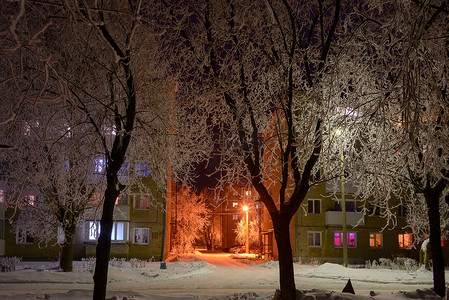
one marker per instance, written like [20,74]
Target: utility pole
[343,211]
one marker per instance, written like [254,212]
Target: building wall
[29,251]
[152,218]
[304,223]
[233,199]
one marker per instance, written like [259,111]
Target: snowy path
[221,259]
[205,276]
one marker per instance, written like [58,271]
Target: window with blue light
[99,165]
[143,168]
[119,231]
[123,170]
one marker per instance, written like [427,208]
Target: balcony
[333,218]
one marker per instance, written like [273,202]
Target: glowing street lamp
[245,208]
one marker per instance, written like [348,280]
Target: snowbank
[190,277]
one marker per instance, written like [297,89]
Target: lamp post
[343,208]
[245,208]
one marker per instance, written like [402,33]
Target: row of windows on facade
[141,201]
[142,168]
[141,235]
[120,233]
[405,240]
[314,207]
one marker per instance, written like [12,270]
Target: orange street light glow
[245,208]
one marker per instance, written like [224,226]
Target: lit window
[99,165]
[94,230]
[235,217]
[118,234]
[235,204]
[121,200]
[405,240]
[143,168]
[2,197]
[67,165]
[141,235]
[375,240]
[314,239]
[142,201]
[351,239]
[123,172]
[29,127]
[314,206]
[61,235]
[109,130]
[24,236]
[30,200]
[258,206]
[97,198]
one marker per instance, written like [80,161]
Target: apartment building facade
[316,230]
[138,230]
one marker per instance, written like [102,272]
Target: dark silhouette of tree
[260,65]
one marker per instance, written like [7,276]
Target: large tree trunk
[104,242]
[286,272]
[433,210]
[66,263]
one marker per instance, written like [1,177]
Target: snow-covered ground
[212,276]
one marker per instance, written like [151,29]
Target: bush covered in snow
[117,262]
[137,263]
[399,263]
[309,261]
[8,264]
[88,264]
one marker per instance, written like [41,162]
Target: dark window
[350,206]
[314,206]
[314,239]
[316,176]
[402,210]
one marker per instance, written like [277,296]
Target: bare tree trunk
[286,272]
[104,241]
[433,210]
[66,263]
[208,237]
